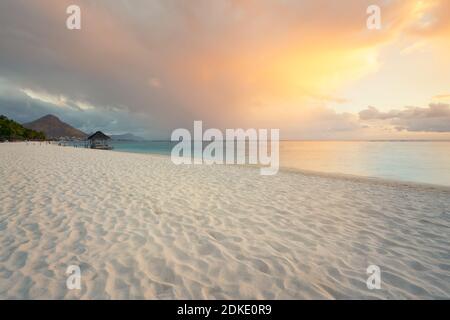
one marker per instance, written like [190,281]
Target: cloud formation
[20,106]
[434,118]
[230,63]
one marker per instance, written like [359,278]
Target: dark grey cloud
[104,64]
[434,118]
[169,62]
[156,65]
[22,108]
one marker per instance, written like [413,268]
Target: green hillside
[11,130]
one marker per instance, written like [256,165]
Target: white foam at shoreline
[141,227]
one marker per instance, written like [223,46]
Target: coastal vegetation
[11,130]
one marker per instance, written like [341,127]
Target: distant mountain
[11,130]
[126,137]
[54,128]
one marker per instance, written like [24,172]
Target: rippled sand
[140,227]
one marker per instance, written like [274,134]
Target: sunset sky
[310,68]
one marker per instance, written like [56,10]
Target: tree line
[13,131]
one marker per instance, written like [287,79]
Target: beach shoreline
[336,175]
[140,227]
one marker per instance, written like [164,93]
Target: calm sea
[426,161]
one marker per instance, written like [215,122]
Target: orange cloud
[230,63]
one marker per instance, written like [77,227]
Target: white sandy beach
[141,227]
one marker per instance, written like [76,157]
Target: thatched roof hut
[99,140]
[98,136]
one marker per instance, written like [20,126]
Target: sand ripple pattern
[141,227]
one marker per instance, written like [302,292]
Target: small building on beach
[99,140]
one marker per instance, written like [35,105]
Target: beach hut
[99,140]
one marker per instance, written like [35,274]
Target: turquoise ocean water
[425,161]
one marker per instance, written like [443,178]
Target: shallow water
[424,162]
[140,227]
